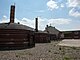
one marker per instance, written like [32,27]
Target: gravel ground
[43,51]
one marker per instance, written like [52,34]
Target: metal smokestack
[36,24]
[12,13]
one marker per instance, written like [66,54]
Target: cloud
[73,3]
[59,21]
[54,22]
[52,5]
[5,16]
[77,27]
[75,7]
[42,22]
[25,21]
[74,12]
[62,5]
[4,19]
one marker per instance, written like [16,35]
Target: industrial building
[14,34]
[53,32]
[75,34]
[40,36]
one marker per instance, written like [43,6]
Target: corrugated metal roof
[14,26]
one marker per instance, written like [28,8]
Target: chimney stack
[36,24]
[12,13]
[46,26]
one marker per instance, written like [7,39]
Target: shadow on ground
[15,48]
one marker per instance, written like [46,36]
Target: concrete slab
[70,42]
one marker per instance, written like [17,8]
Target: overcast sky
[62,14]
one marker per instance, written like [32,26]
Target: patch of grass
[66,58]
